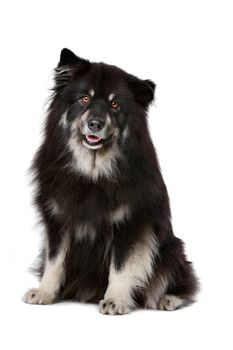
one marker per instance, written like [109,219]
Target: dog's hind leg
[174,283]
[170,302]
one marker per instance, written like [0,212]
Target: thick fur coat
[102,198]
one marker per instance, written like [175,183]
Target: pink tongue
[92,138]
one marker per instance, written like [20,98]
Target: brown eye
[86,99]
[115,104]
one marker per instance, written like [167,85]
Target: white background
[186,48]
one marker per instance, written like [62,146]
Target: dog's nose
[95,125]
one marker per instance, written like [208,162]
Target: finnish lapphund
[108,236]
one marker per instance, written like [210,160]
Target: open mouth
[93,140]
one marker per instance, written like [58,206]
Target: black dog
[102,199]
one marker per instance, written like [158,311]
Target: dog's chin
[94,142]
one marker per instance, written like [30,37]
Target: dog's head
[100,100]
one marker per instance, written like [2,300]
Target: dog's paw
[113,307]
[37,296]
[170,302]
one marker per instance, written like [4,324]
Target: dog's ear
[68,58]
[144,91]
[68,64]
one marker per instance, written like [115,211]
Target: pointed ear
[144,91]
[66,67]
[68,58]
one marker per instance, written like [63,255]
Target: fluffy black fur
[135,179]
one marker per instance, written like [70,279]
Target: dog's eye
[115,104]
[86,100]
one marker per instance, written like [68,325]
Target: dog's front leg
[54,273]
[131,266]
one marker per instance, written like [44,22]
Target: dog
[102,199]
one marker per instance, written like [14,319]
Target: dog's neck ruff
[94,163]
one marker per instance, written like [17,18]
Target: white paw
[113,307]
[170,302]
[37,296]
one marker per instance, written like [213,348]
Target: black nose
[95,125]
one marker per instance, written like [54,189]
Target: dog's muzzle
[95,132]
